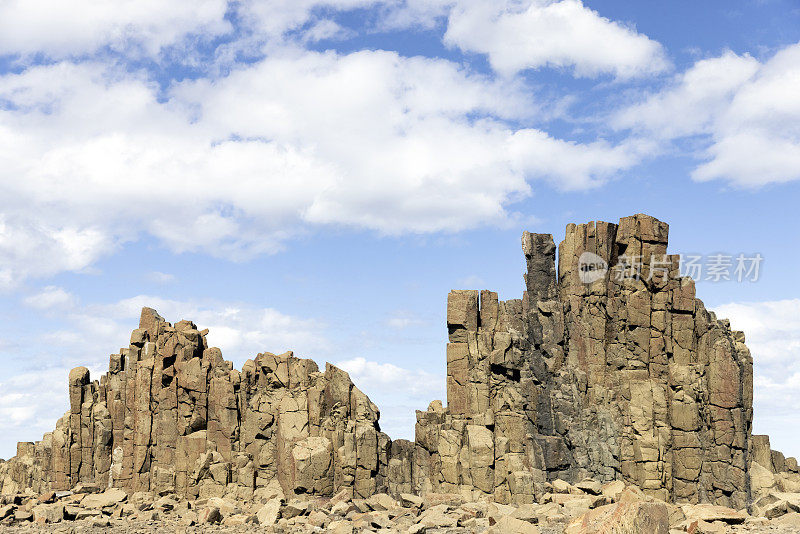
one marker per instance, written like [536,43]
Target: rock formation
[618,373]
[172,415]
[625,377]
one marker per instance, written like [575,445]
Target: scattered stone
[106,499]
[86,487]
[613,490]
[560,486]
[48,513]
[411,501]
[209,515]
[295,508]
[7,511]
[624,517]
[432,500]
[438,517]
[711,513]
[381,501]
[269,513]
[512,525]
[591,486]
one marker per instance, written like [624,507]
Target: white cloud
[91,157]
[518,35]
[30,405]
[50,297]
[60,29]
[747,111]
[397,391]
[240,330]
[471,282]
[695,98]
[772,330]
[274,18]
[403,319]
[414,382]
[158,277]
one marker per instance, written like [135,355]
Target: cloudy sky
[315,175]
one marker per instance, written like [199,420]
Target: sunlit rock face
[611,372]
[608,367]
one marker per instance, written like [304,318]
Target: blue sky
[317,175]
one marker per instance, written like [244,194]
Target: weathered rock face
[609,374]
[615,377]
[172,415]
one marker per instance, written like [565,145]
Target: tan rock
[437,517]
[110,497]
[622,518]
[382,501]
[294,508]
[7,511]
[711,513]
[512,525]
[790,520]
[269,513]
[48,513]
[613,490]
[591,486]
[411,501]
[560,486]
[209,515]
[435,499]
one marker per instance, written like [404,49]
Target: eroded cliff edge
[626,377]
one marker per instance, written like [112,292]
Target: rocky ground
[585,508]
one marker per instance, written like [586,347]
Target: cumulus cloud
[158,277]
[519,35]
[403,319]
[693,100]
[471,281]
[30,405]
[747,111]
[397,391]
[772,330]
[61,29]
[240,330]
[50,297]
[93,156]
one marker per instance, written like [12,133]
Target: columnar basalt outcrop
[607,368]
[172,415]
[612,374]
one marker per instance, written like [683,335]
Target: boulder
[410,500]
[623,518]
[209,515]
[269,513]
[512,525]
[711,513]
[48,513]
[108,498]
[590,486]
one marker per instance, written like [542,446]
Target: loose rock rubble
[616,399]
[564,509]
